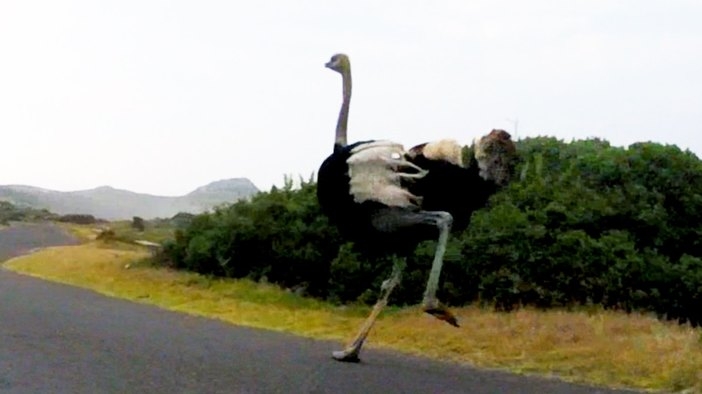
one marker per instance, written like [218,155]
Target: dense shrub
[78,218]
[138,224]
[182,219]
[593,224]
[107,235]
[10,212]
[583,223]
[279,236]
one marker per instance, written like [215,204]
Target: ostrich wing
[376,170]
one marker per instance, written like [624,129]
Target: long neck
[340,141]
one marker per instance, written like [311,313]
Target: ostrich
[387,199]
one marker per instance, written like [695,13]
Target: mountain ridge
[107,202]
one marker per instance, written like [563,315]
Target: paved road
[60,339]
[21,238]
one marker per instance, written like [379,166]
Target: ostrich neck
[341,125]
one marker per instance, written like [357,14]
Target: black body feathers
[451,188]
[445,187]
[334,195]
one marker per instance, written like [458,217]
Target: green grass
[123,231]
[155,233]
[591,346]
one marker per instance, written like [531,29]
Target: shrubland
[10,212]
[583,223]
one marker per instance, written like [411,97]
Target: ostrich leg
[394,221]
[431,304]
[350,354]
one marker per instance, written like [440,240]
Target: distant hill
[109,203]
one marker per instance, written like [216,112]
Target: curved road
[60,339]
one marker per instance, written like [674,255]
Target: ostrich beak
[328,64]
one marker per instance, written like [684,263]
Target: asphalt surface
[60,339]
[22,238]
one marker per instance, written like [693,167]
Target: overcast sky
[164,96]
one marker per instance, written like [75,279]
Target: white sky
[164,96]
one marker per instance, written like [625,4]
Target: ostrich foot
[441,312]
[348,356]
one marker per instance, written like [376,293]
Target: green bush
[78,218]
[279,236]
[138,224]
[584,223]
[12,213]
[591,224]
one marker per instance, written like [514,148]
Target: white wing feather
[376,170]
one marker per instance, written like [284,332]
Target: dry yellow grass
[84,232]
[600,347]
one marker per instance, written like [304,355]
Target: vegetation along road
[60,339]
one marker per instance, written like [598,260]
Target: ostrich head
[339,63]
[496,156]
